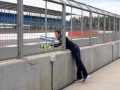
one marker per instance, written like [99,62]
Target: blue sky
[108,5]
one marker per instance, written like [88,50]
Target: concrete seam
[51,75]
[112,52]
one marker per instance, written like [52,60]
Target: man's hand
[51,45]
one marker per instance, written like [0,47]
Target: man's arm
[58,44]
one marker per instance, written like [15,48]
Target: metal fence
[8,31]
[27,27]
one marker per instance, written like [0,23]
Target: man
[82,74]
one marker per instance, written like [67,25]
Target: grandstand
[9,20]
[34,17]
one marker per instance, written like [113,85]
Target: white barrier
[38,73]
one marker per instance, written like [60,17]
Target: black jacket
[69,44]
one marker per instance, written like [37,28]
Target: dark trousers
[81,70]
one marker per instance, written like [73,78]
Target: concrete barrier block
[102,55]
[63,70]
[35,72]
[119,49]
[27,74]
[45,73]
[115,50]
[87,58]
[19,76]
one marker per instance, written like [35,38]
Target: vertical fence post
[46,23]
[64,26]
[104,28]
[119,28]
[109,28]
[90,29]
[114,29]
[98,27]
[20,27]
[82,25]
[71,24]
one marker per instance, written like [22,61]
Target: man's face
[57,35]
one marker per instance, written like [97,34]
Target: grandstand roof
[33,9]
[84,7]
[13,6]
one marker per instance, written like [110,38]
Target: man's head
[57,33]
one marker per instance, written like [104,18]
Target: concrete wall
[32,74]
[37,72]
[16,75]
[116,50]
[63,70]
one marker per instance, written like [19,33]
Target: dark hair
[58,31]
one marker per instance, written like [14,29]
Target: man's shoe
[86,78]
[79,80]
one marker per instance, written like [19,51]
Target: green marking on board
[44,47]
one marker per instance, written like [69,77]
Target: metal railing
[24,22]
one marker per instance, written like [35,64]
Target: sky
[108,5]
